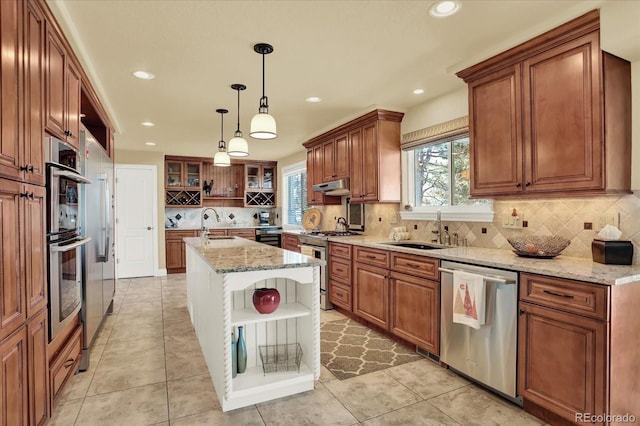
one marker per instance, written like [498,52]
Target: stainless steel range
[316,244]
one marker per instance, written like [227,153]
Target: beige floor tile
[191,395]
[472,405]
[66,413]
[144,405]
[330,315]
[119,375]
[135,330]
[138,307]
[326,375]
[180,327]
[134,351]
[371,395]
[248,416]
[426,378]
[318,407]
[419,414]
[185,362]
[176,314]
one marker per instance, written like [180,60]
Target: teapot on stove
[341,225]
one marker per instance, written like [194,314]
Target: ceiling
[354,54]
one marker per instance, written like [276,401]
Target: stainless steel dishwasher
[486,355]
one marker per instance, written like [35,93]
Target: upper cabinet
[182,182]
[63,87]
[551,117]
[260,184]
[366,150]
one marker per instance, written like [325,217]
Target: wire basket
[279,358]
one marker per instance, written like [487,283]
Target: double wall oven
[64,240]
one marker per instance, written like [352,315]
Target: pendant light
[263,125]
[238,146]
[221,159]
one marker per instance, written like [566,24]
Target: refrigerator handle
[106,216]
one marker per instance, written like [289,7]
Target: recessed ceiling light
[144,75]
[418,91]
[147,124]
[445,8]
[150,143]
[313,99]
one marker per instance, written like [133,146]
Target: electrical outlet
[393,219]
[604,219]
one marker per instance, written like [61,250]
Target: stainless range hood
[336,187]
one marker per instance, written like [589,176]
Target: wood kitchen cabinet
[176,261]
[575,354]
[38,368]
[315,165]
[183,176]
[371,285]
[373,142]
[63,88]
[290,242]
[14,397]
[339,270]
[537,116]
[227,185]
[260,184]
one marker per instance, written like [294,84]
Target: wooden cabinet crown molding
[378,114]
[573,29]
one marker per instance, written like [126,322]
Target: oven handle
[62,248]
[76,177]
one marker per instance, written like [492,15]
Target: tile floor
[147,369]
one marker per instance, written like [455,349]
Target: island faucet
[438,231]
[204,216]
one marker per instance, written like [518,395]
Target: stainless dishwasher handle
[493,278]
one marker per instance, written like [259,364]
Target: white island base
[220,301]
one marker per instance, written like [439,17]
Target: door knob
[148,228]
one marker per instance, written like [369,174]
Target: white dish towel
[468,299]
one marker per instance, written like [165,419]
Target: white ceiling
[354,54]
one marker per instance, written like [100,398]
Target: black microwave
[355,215]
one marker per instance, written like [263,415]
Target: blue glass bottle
[242,351]
[234,355]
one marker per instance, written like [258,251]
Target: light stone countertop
[234,254]
[239,226]
[574,268]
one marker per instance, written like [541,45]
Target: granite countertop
[574,268]
[239,226]
[234,254]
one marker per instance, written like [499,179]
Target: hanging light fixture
[263,125]
[238,146]
[221,158]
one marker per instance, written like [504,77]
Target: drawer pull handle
[339,294]
[68,363]
[553,293]
[339,270]
[369,256]
[413,265]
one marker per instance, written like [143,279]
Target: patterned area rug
[349,349]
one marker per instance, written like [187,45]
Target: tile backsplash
[182,218]
[565,217]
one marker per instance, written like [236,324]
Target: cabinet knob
[527,184]
[521,312]
[148,228]
[518,184]
[30,168]
[24,168]
[24,194]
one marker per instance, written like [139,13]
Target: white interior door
[136,219]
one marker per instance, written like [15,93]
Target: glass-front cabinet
[260,180]
[182,182]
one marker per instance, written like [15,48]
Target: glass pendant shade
[238,146]
[263,125]
[221,159]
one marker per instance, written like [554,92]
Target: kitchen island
[222,274]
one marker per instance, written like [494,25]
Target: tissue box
[612,252]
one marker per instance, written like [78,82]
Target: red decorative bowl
[266,300]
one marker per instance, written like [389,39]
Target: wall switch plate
[512,222]
[393,219]
[604,219]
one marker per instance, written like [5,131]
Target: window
[436,177]
[295,193]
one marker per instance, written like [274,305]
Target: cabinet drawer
[340,295]
[571,296]
[217,232]
[340,250]
[66,363]
[424,267]
[178,235]
[372,256]
[244,233]
[340,270]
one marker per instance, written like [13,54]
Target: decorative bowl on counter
[541,246]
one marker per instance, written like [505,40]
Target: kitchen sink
[420,246]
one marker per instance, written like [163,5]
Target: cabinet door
[174,254]
[495,133]
[268,178]
[341,157]
[290,242]
[12,299]
[72,109]
[252,177]
[561,364]
[371,294]
[357,165]
[173,173]
[9,88]
[33,147]
[14,401]
[328,157]
[370,157]
[38,368]
[55,82]
[192,176]
[415,311]
[33,235]
[311,172]
[563,140]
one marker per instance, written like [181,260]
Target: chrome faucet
[204,216]
[438,231]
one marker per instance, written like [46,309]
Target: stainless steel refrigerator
[98,255]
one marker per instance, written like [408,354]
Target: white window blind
[295,194]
